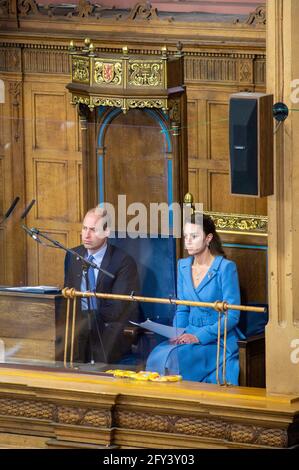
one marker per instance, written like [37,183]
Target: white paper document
[37,289]
[163,330]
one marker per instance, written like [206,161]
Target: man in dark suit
[101,322]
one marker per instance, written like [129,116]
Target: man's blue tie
[91,283]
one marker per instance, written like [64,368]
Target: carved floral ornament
[85,9]
[257,17]
[240,223]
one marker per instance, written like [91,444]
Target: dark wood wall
[40,144]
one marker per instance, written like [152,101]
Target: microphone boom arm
[84,261]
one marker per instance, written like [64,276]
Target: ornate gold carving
[77,99]
[205,427]
[132,420]
[273,438]
[27,409]
[80,69]
[25,7]
[97,418]
[102,101]
[167,423]
[143,11]
[59,414]
[147,103]
[107,72]
[240,223]
[145,73]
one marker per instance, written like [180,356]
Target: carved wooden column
[16,248]
[87,127]
[283,328]
[12,159]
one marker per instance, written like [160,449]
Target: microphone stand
[74,253]
[86,264]
[90,314]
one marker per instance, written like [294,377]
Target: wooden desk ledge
[193,391]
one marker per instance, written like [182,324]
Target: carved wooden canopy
[124,80]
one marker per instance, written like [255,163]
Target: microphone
[27,209]
[31,234]
[9,211]
[11,208]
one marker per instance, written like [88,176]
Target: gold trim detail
[80,100]
[99,101]
[240,223]
[80,69]
[142,73]
[147,103]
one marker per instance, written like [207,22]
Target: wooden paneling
[135,161]
[2,209]
[252,269]
[192,122]
[210,133]
[2,150]
[1,186]
[12,180]
[218,146]
[198,185]
[2,257]
[79,172]
[50,119]
[28,326]
[222,201]
[53,175]
[49,261]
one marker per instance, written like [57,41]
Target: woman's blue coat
[197,361]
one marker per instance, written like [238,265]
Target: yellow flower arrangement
[144,375]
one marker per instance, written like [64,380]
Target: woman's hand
[185,338]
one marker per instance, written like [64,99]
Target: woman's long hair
[208,226]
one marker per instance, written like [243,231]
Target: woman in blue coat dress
[205,276]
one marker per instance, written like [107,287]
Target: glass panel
[47,240]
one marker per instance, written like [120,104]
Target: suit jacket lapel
[77,266]
[105,264]
[187,274]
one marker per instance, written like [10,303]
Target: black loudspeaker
[251,144]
